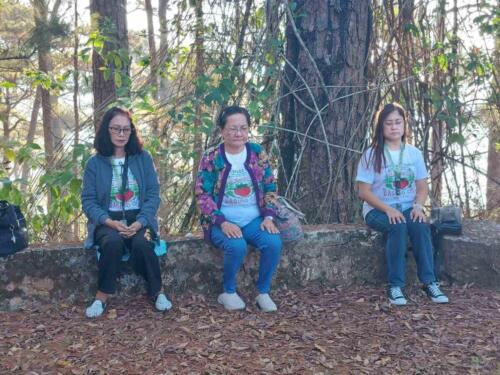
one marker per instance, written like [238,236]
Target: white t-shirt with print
[239,204]
[131,195]
[383,183]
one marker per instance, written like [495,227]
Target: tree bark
[153,64]
[163,51]
[105,90]
[76,89]
[438,126]
[32,129]
[323,97]
[493,184]
[199,48]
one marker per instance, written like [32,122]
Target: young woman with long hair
[392,182]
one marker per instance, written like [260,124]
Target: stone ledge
[330,254]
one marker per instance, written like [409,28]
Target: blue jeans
[235,250]
[397,244]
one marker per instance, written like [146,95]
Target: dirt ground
[316,331]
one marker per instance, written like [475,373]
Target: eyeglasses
[117,130]
[243,129]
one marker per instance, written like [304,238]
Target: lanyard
[124,184]
[397,168]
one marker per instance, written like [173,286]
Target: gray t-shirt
[383,185]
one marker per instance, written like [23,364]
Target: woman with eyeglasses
[392,182]
[235,191]
[120,197]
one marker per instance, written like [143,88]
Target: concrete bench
[333,254]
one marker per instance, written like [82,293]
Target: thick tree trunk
[104,90]
[324,98]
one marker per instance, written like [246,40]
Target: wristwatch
[269,217]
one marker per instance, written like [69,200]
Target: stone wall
[329,254]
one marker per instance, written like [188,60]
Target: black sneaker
[396,296]
[434,293]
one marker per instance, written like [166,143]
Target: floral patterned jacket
[213,172]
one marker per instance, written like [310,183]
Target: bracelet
[418,206]
[269,217]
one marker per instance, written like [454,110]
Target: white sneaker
[396,296]
[265,303]
[96,309]
[162,303]
[231,301]
[434,293]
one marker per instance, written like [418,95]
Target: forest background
[312,74]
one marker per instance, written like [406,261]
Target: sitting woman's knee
[143,246]
[113,243]
[238,247]
[398,228]
[274,244]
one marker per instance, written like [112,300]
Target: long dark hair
[102,141]
[377,155]
[232,110]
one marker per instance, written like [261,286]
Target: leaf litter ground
[316,331]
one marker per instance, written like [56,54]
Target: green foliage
[61,184]
[116,60]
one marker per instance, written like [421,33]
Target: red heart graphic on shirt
[242,190]
[126,196]
[404,183]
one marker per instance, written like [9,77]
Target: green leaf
[7,85]
[456,138]
[75,186]
[10,154]
[412,29]
[118,79]
[64,178]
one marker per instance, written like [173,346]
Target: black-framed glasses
[117,130]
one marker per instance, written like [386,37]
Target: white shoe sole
[230,308]
[395,302]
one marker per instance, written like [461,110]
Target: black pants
[142,258]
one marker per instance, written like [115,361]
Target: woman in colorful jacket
[120,198]
[235,191]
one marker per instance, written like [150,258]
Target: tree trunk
[76,89]
[163,51]
[493,184]
[153,64]
[438,126]
[45,65]
[323,83]
[32,129]
[152,48]
[105,90]
[199,48]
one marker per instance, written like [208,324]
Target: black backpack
[13,232]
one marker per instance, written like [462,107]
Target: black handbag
[13,232]
[444,221]
[447,220]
